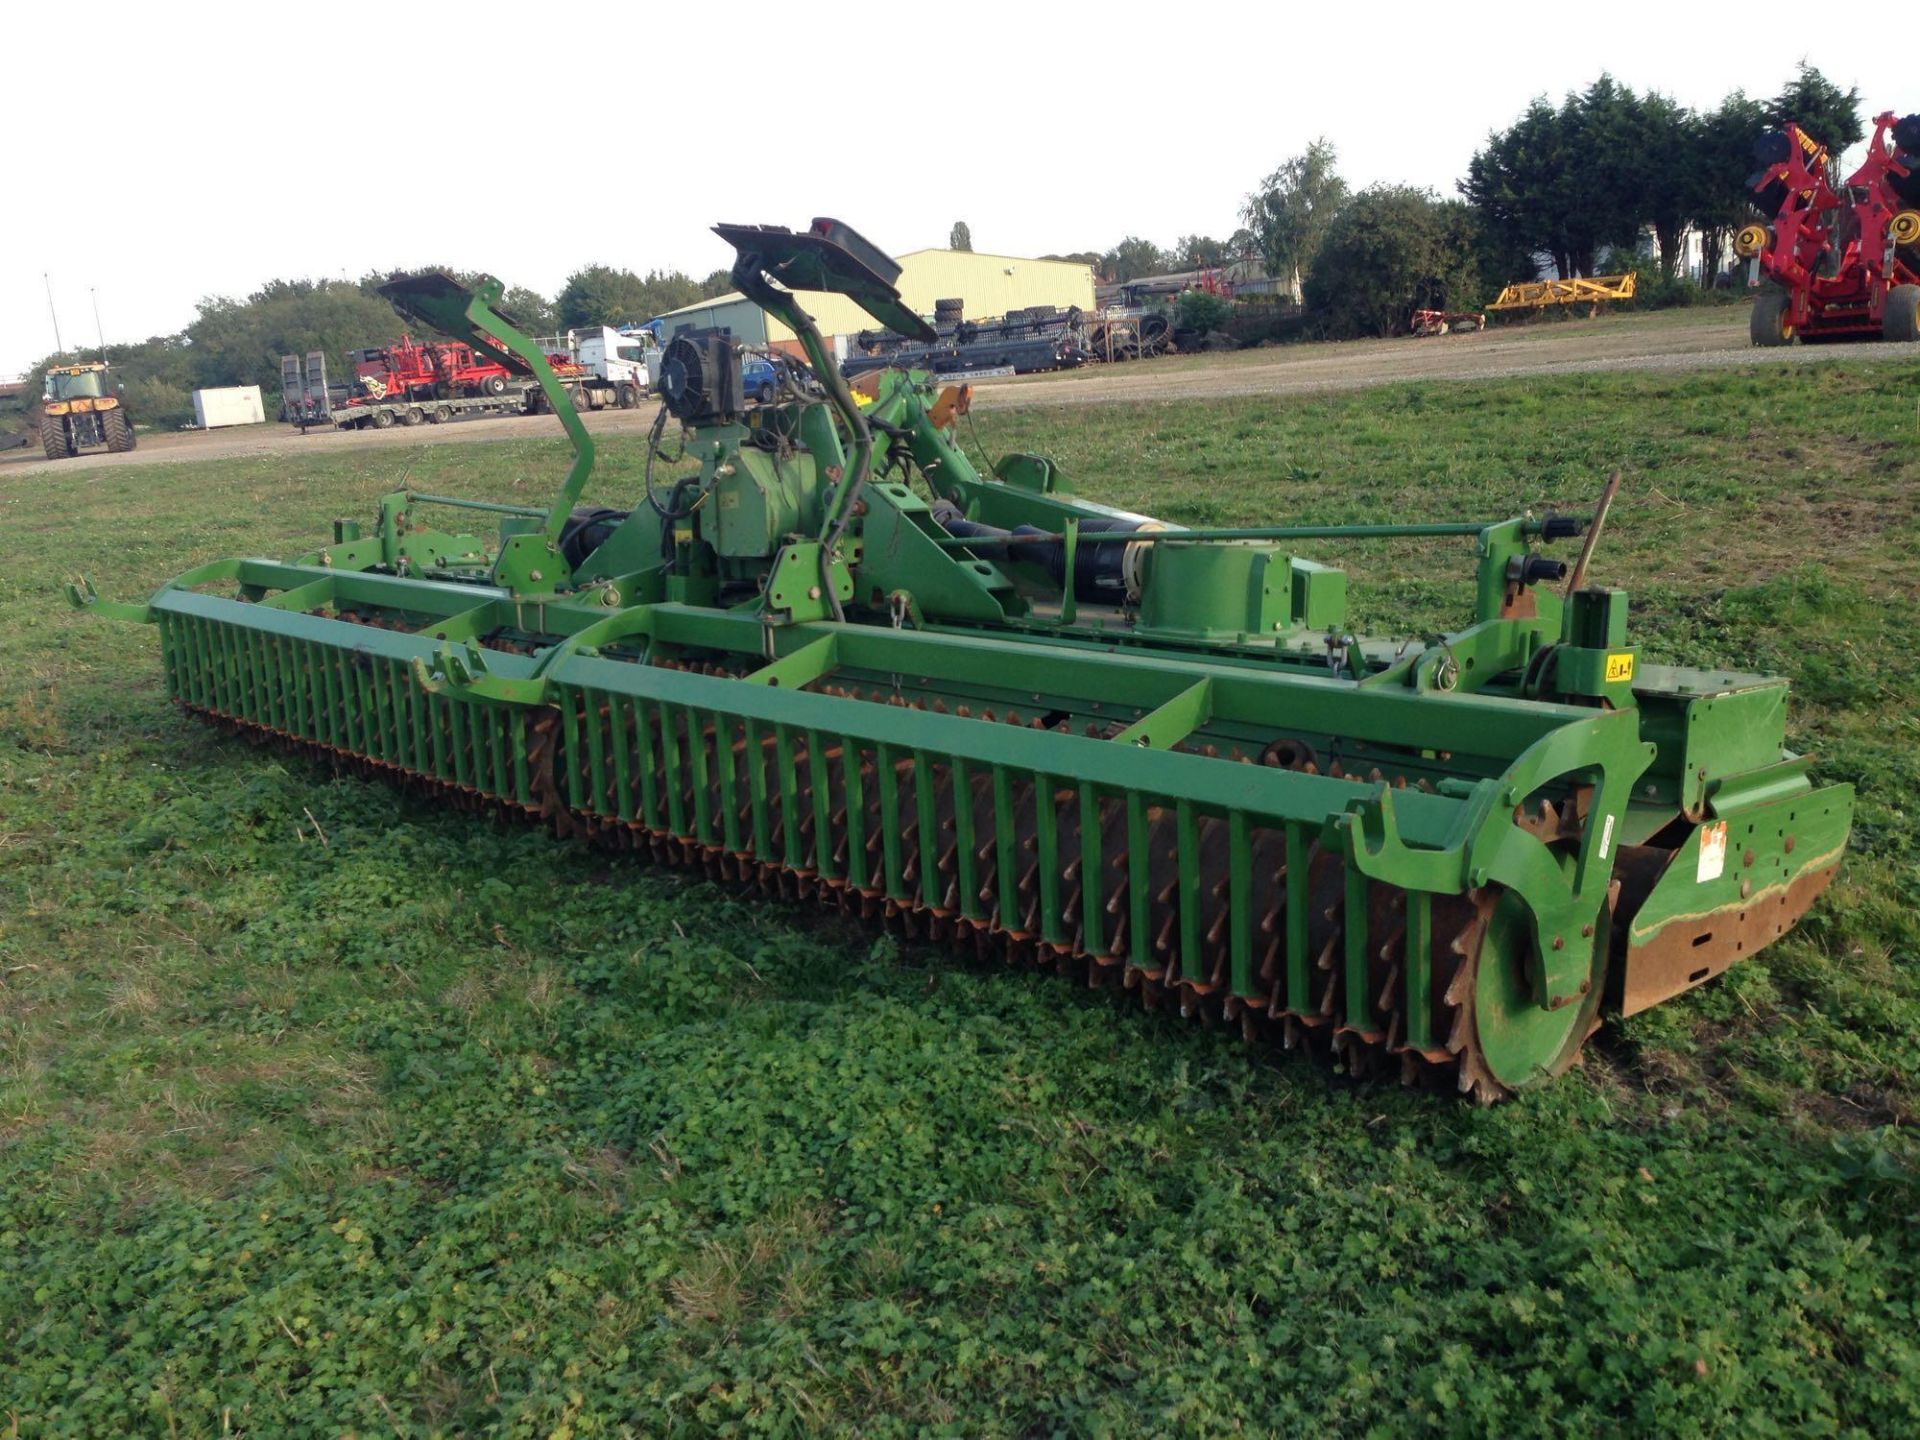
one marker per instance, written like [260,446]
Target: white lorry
[616,369]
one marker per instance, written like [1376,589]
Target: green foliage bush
[152,400]
[1201,312]
[603,295]
[1392,250]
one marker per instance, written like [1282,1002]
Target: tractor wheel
[1900,320]
[54,438]
[413,416]
[118,430]
[496,385]
[1772,320]
[382,419]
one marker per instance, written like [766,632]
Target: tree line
[1574,185]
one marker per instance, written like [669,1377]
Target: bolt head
[533,575]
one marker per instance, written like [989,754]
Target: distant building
[985,284]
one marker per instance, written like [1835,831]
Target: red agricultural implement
[1844,262]
[410,371]
[1445,322]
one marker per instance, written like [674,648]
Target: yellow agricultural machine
[1593,291]
[78,411]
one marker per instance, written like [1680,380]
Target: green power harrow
[841,663]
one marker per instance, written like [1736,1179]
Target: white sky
[1046,128]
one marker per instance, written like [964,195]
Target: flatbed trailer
[518,399]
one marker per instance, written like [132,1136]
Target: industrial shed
[987,284]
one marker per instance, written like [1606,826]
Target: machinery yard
[763,1168]
[1669,341]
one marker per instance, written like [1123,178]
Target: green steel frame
[1443,850]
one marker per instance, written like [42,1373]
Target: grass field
[322,1111]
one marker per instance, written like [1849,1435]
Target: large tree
[1672,187]
[1514,182]
[1391,250]
[1290,212]
[1132,258]
[240,342]
[1563,182]
[1723,164]
[1819,107]
[1611,164]
[602,295]
[1200,252]
[960,237]
[529,310]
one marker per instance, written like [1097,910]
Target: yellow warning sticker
[1619,667]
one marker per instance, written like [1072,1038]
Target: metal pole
[1263,532]
[59,345]
[99,333]
[1579,576]
[414,497]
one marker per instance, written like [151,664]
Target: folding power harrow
[838,662]
[1842,260]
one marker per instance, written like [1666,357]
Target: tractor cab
[77,382]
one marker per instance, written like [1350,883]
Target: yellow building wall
[990,285]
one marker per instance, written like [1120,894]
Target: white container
[234,405]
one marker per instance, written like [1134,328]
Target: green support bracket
[1563,894]
[82,596]
[1167,726]
[800,669]
[796,589]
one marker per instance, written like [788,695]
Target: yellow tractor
[78,410]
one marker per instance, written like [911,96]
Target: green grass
[323,1111]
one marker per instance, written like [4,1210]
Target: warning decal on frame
[1713,853]
[1619,667]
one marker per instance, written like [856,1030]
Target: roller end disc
[1511,1042]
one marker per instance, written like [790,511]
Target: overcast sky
[207,148]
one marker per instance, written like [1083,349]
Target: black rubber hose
[1097,569]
